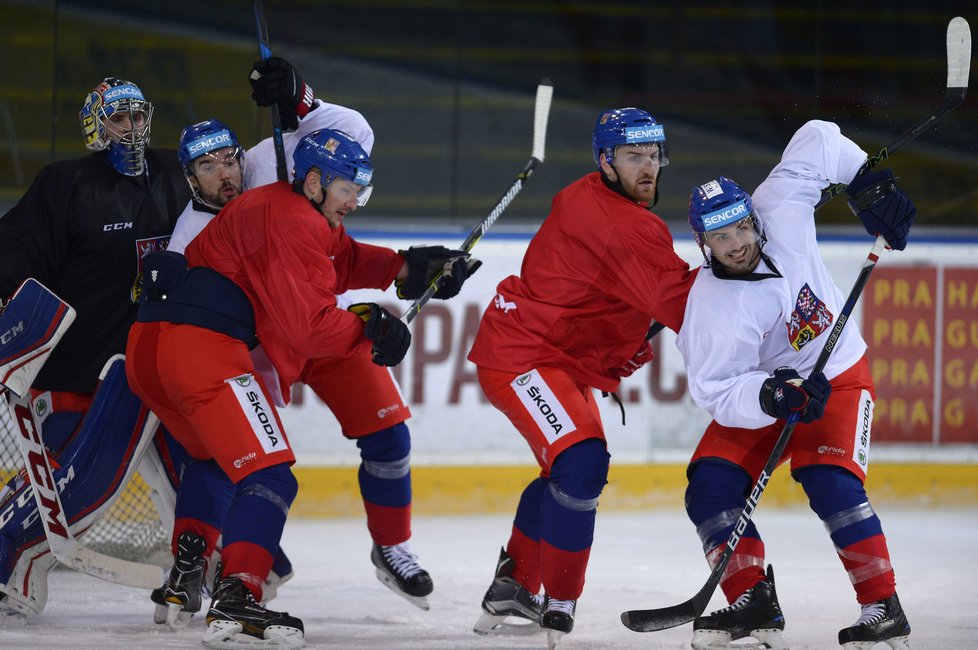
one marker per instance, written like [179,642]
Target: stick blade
[541,114]
[653,620]
[958,53]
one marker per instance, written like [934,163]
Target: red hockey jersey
[598,271]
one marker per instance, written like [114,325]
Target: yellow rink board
[333,491]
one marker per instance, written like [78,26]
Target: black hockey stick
[651,620]
[266,53]
[958,64]
[541,113]
[958,69]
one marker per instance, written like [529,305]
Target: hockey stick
[541,113]
[266,53]
[65,548]
[958,70]
[651,620]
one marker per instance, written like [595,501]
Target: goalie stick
[958,63]
[266,53]
[541,114]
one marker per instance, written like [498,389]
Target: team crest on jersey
[143,248]
[809,319]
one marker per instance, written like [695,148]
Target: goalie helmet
[718,204]
[204,138]
[627,126]
[116,117]
[336,155]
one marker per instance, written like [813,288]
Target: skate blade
[896,643]
[228,634]
[719,640]
[159,614]
[176,617]
[553,638]
[421,602]
[500,624]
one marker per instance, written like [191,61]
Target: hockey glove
[786,392]
[276,81]
[639,359]
[391,337]
[882,207]
[425,262]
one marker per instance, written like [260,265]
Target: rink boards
[919,315]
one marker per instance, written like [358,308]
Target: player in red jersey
[599,270]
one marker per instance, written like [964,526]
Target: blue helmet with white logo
[627,126]
[718,204]
[116,117]
[336,155]
[204,138]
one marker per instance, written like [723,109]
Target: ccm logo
[122,225]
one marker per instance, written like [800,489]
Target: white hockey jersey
[736,332]
[259,167]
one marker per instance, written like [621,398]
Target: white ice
[639,560]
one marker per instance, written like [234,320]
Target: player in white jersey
[751,333]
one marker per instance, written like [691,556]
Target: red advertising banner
[959,356]
[922,331]
[899,311]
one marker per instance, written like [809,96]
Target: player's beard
[227,192]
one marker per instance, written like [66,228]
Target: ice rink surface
[639,560]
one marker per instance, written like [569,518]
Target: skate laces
[401,559]
[872,614]
[742,602]
[565,606]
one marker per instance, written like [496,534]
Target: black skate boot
[508,598]
[557,619]
[235,619]
[179,597]
[755,614]
[398,569]
[880,622]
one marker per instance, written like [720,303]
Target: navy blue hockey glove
[276,81]
[425,262]
[786,392]
[882,207]
[391,337]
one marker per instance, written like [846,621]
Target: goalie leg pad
[114,433]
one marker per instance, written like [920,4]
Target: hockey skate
[880,622]
[236,620]
[179,597]
[507,599]
[557,619]
[398,570]
[755,614]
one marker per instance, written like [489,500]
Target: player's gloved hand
[641,357]
[391,337]
[276,81]
[786,392]
[425,262]
[882,207]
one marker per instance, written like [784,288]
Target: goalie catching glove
[786,393]
[391,337]
[882,207]
[276,81]
[425,262]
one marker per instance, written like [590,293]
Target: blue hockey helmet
[204,138]
[336,155]
[627,126]
[718,204]
[104,126]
